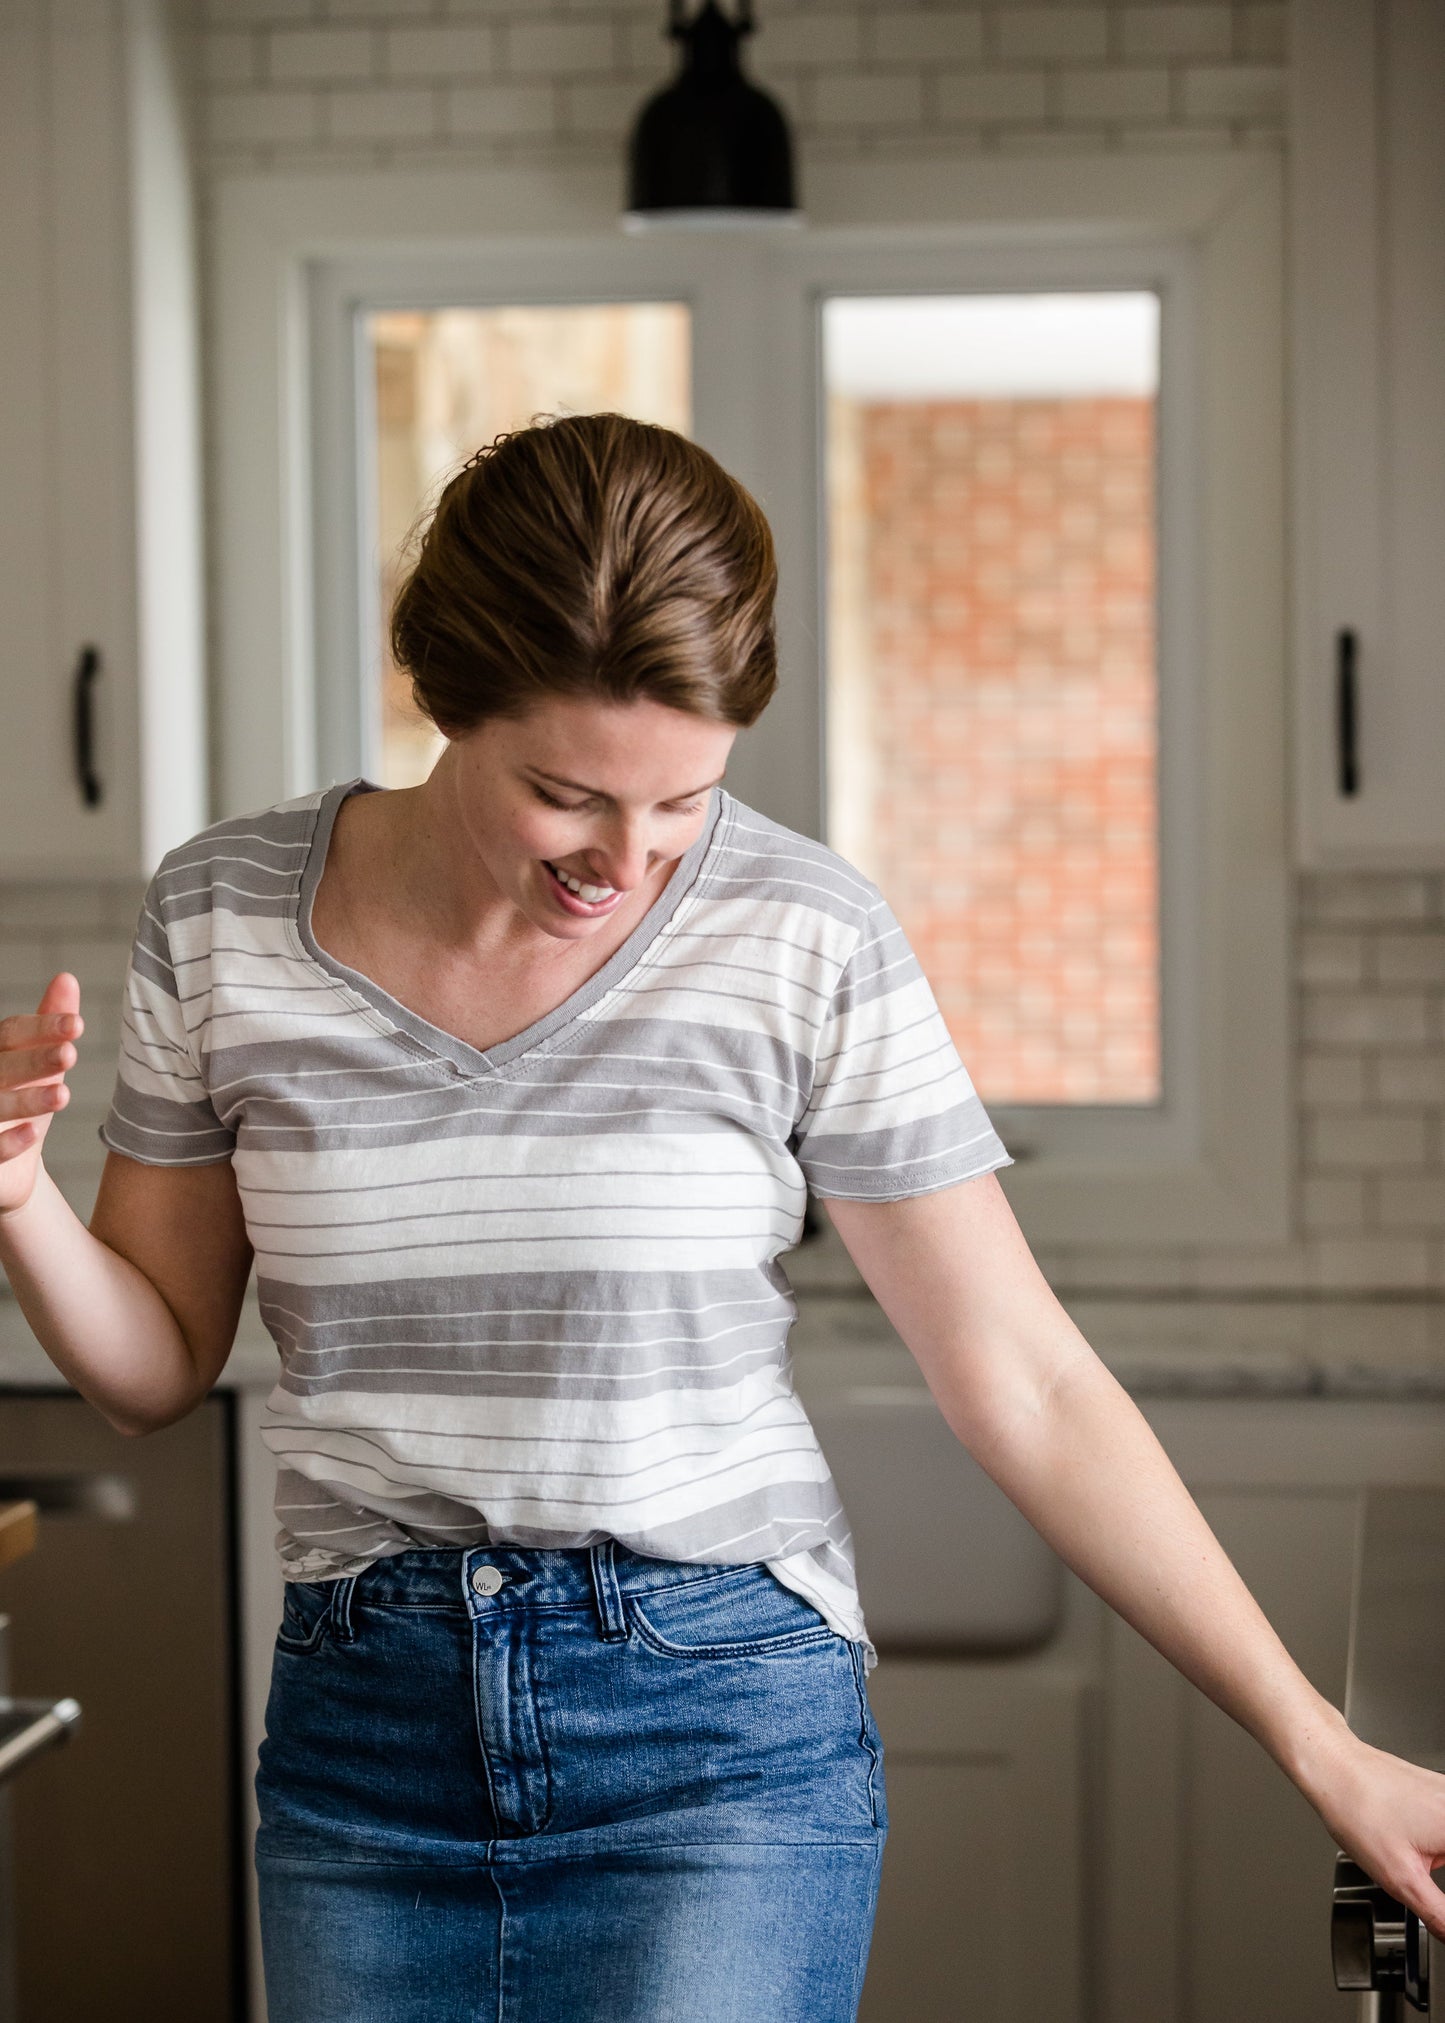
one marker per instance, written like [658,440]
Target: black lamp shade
[710,141]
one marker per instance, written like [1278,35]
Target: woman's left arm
[1031,1401]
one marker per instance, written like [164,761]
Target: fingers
[21,1067]
[25,1117]
[37,1101]
[61,996]
[18,1138]
[1428,1902]
[55,1021]
[28,1029]
[36,1050]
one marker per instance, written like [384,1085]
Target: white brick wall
[297,83]
[916,35]
[1119,95]
[995,98]
[439,51]
[1237,91]
[319,55]
[1065,34]
[1148,33]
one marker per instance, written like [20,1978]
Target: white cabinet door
[1219,1871]
[1368,280]
[980,1913]
[100,488]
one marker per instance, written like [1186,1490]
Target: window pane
[449,380]
[992,699]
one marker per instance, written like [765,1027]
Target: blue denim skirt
[535,1786]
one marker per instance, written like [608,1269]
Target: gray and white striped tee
[535,1296]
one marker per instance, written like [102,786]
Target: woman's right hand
[36,1049]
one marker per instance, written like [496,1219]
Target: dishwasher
[126,1844]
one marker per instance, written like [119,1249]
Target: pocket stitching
[747,1647]
[304,1646]
[301,1645]
[874,1751]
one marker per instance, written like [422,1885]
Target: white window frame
[496,274]
[295,262]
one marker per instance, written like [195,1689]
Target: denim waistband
[481,1579]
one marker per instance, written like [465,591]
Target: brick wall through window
[992,642]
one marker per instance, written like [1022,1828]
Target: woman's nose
[622,858]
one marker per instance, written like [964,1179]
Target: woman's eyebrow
[577,787]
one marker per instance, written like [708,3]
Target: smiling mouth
[578,895]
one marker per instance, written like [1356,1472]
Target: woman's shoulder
[240,856]
[763,859]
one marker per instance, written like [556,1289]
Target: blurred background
[1089,373]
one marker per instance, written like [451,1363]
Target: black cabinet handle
[1347,711]
[87,671]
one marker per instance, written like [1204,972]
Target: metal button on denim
[487,1581]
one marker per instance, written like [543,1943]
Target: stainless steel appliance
[1382,1953]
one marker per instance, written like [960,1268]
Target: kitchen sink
[946,1564]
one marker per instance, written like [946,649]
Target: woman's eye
[576,807]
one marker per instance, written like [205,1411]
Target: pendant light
[710,148]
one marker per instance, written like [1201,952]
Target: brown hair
[590,555]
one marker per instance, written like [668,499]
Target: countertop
[1189,1348]
[1326,1348]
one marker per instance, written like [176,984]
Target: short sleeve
[892,1111]
[161,1111]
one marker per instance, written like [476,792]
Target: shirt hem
[906,1192]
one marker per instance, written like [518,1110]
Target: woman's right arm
[139,1311]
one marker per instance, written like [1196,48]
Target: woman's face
[601,796]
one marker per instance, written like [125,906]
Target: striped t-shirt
[535,1296]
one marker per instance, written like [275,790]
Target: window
[991,690]
[445,381]
[1101,771]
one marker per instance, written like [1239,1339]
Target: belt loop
[341,1592]
[610,1613]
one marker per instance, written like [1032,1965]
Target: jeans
[600,1789]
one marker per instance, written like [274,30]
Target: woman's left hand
[1389,1816]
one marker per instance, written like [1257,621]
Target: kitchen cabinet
[981,1907]
[1214,1874]
[1233,1863]
[1368,289]
[100,472]
[129,1884]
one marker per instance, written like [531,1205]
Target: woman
[513,1085]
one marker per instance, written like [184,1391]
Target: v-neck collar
[448,1045]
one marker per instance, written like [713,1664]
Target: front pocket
[756,1617]
[305,1613]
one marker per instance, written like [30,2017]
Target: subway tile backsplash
[295,85]
[1369,1088]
